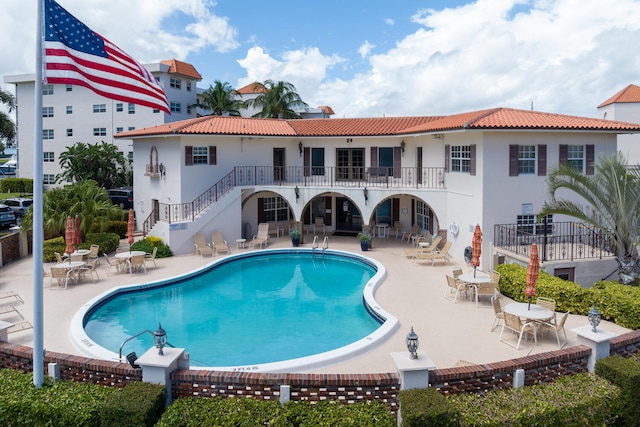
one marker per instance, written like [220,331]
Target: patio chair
[495,279]
[89,269]
[552,325]
[152,256]
[499,313]
[62,276]
[60,258]
[397,228]
[262,237]
[319,223]
[442,255]
[93,253]
[414,252]
[116,263]
[453,286]
[548,303]
[219,243]
[485,289]
[137,263]
[517,326]
[415,230]
[76,258]
[201,245]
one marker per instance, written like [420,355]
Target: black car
[122,197]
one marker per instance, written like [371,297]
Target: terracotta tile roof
[182,68]
[497,118]
[327,110]
[630,93]
[254,87]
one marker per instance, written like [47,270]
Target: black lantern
[160,338]
[412,344]
[297,190]
[594,318]
[300,147]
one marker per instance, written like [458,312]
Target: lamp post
[412,344]
[160,338]
[594,317]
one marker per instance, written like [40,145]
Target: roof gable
[629,94]
[182,68]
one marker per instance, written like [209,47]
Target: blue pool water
[251,310]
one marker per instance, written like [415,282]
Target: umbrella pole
[474,272]
[529,307]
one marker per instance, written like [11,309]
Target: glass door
[278,164]
[350,164]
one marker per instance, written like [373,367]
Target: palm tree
[7,127]
[610,203]
[276,100]
[221,98]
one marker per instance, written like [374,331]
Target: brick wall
[626,345]
[10,247]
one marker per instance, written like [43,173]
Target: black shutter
[188,155]
[472,160]
[513,160]
[542,160]
[589,158]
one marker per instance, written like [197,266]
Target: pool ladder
[325,243]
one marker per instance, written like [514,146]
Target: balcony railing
[558,241]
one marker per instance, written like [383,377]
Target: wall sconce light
[594,317]
[297,190]
[160,338]
[366,195]
[412,344]
[300,147]
[402,144]
[162,170]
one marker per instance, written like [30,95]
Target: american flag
[75,54]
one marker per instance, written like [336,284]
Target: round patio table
[521,309]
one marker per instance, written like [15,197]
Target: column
[414,373]
[156,368]
[599,342]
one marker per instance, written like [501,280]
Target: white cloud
[390,22]
[365,49]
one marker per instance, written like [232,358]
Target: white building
[445,174]
[76,114]
[625,106]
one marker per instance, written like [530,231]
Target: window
[119,107]
[132,108]
[188,85]
[317,161]
[275,209]
[460,158]
[49,178]
[423,215]
[155,111]
[385,161]
[526,159]
[175,83]
[200,155]
[48,156]
[69,109]
[47,111]
[575,157]
[131,128]
[69,88]
[119,129]
[175,107]
[130,156]
[188,109]
[529,224]
[99,108]
[47,89]
[99,131]
[69,132]
[47,133]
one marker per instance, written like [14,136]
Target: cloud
[365,49]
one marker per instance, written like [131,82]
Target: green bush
[148,243]
[137,404]
[579,400]
[108,242]
[426,407]
[330,413]
[625,373]
[16,185]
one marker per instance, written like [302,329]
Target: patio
[413,292]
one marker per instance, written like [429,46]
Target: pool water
[252,310]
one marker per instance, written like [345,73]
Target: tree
[103,163]
[85,199]
[276,100]
[610,203]
[7,127]
[221,98]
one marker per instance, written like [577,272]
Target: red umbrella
[69,237]
[532,273]
[476,248]
[78,233]
[130,228]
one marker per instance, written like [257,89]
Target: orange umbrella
[476,248]
[69,236]
[532,273]
[78,234]
[130,228]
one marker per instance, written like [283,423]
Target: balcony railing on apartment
[327,176]
[558,241]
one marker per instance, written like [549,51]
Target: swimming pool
[322,311]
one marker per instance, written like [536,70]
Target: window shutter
[513,160]
[327,207]
[472,160]
[564,154]
[542,160]
[447,157]
[397,162]
[589,159]
[374,157]
[188,155]
[260,211]
[307,161]
[213,155]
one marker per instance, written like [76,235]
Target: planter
[364,245]
[295,241]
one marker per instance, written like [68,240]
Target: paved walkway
[412,292]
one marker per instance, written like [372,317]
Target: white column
[157,368]
[414,373]
[599,342]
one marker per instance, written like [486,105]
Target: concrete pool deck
[412,292]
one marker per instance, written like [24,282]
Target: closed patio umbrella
[69,236]
[532,273]
[77,231]
[476,248]
[130,228]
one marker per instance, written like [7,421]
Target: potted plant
[365,241]
[295,237]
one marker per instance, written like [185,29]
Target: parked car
[122,197]
[18,205]
[7,217]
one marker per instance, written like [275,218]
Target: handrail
[133,337]
[314,245]
[325,243]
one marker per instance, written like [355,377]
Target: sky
[373,58]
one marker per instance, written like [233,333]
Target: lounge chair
[219,244]
[414,252]
[152,256]
[442,255]
[201,245]
[11,294]
[262,237]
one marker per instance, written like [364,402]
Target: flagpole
[38,324]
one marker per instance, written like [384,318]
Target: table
[521,309]
[82,252]
[479,278]
[240,243]
[73,265]
[382,229]
[128,254]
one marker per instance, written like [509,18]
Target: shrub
[148,243]
[330,413]
[137,404]
[16,185]
[108,242]
[426,407]
[625,373]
